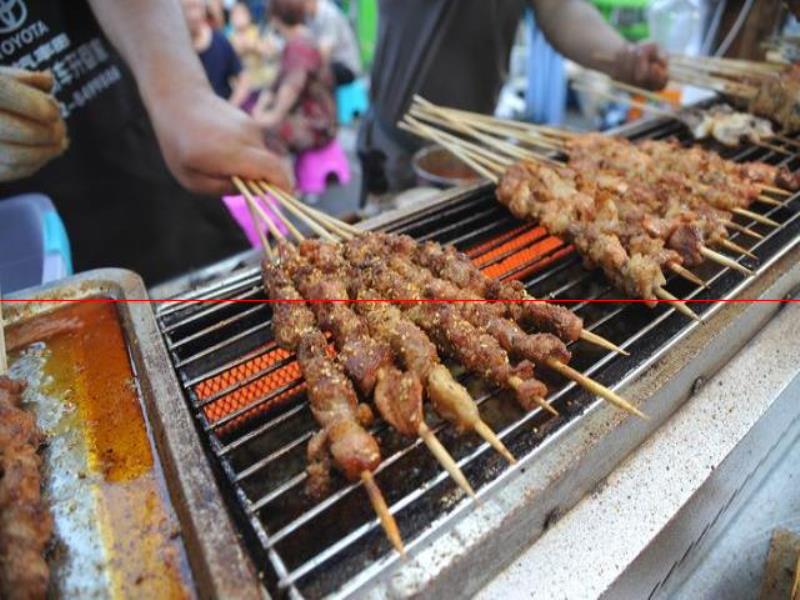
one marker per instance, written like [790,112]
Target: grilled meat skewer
[413,347]
[368,362]
[332,398]
[397,394]
[540,349]
[477,351]
[449,264]
[550,195]
[25,522]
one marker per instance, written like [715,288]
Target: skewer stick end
[483,430]
[724,261]
[386,518]
[678,304]
[443,456]
[597,340]
[595,387]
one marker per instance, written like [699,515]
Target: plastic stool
[237,206]
[313,168]
[351,101]
[34,248]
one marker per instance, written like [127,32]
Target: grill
[247,399]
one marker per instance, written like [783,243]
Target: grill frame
[600,436]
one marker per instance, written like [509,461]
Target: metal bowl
[439,167]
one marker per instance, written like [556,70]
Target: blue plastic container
[34,247]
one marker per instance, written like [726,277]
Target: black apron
[119,202]
[452,52]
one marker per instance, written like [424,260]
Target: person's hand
[32,131]
[206,142]
[267,119]
[642,65]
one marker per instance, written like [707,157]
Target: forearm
[286,97]
[241,89]
[153,39]
[578,31]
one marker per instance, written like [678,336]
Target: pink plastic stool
[313,168]
[237,206]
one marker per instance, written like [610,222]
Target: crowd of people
[282,70]
[133,117]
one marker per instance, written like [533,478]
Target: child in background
[301,113]
[258,53]
[222,66]
[336,39]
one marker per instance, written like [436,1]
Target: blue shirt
[221,64]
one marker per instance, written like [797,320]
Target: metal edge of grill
[220,568]
[597,429]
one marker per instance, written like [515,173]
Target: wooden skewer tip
[725,261]
[770,201]
[384,515]
[687,274]
[678,304]
[756,217]
[444,458]
[598,340]
[595,387]
[483,430]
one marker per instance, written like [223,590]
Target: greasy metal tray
[219,567]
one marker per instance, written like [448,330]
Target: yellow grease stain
[90,368]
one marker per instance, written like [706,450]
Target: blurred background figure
[336,39]
[257,51]
[220,62]
[299,113]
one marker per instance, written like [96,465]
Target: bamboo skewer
[678,304]
[598,340]
[756,217]
[515,382]
[491,128]
[595,387]
[772,147]
[775,190]
[686,274]
[743,229]
[451,123]
[384,514]
[444,458]
[786,140]
[483,430]
[724,260]
[736,248]
[770,201]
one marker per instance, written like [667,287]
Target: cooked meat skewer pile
[479,352]
[368,361]
[25,522]
[727,126]
[770,91]
[410,343]
[632,210]
[332,399]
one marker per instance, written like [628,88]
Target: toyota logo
[12,15]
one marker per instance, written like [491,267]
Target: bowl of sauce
[438,167]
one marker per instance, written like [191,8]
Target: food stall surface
[691,511]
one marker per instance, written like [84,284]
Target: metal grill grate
[247,398]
